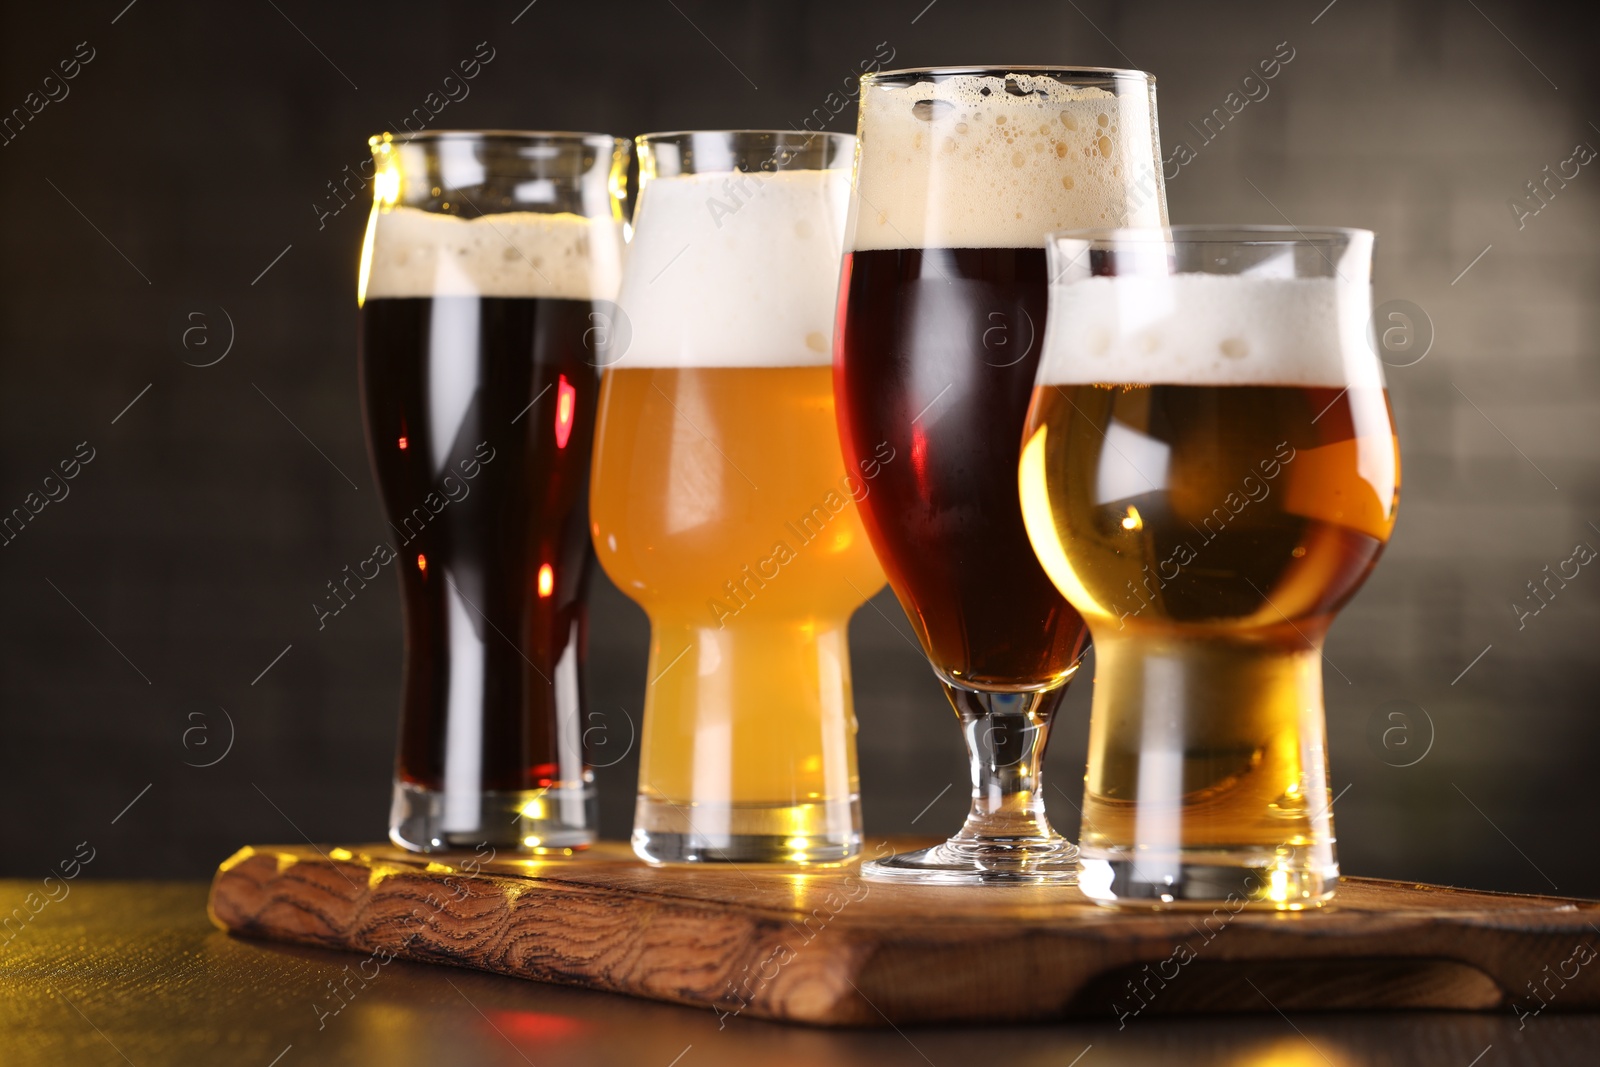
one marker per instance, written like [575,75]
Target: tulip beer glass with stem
[1209,474]
[721,503]
[960,174]
[488,256]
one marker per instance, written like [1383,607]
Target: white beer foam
[1209,329]
[518,253]
[962,163]
[734,270]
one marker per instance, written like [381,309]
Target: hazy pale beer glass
[489,266]
[960,174]
[721,503]
[1209,473]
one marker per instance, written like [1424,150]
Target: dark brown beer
[936,356]
[486,278]
[489,516]
[960,174]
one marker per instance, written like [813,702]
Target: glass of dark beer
[486,278]
[960,174]
[1210,472]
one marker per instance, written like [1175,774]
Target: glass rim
[644,139]
[1211,233]
[1119,73]
[532,137]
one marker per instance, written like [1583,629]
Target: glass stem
[1006,736]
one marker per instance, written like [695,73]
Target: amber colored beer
[721,504]
[1208,474]
[1220,582]
[1209,523]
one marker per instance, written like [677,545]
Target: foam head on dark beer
[418,253]
[998,161]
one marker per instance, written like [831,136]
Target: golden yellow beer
[1209,514]
[1218,587]
[1210,594]
[720,503]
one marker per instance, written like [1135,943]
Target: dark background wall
[184,172]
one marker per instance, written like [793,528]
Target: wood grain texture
[826,947]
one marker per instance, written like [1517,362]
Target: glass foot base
[1206,880]
[957,862]
[821,832]
[533,821]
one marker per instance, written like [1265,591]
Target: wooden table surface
[133,973]
[824,947]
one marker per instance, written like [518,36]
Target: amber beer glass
[489,264]
[960,174]
[721,503]
[1209,473]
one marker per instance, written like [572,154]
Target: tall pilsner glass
[1210,473]
[721,503]
[489,259]
[959,176]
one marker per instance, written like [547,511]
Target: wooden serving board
[826,947]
